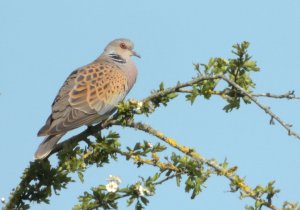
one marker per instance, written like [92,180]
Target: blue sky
[42,42]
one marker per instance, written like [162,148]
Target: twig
[91,130]
[182,85]
[162,166]
[169,177]
[288,95]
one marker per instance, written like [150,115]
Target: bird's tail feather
[47,146]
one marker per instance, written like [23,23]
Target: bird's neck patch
[117,58]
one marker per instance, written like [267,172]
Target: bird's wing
[87,95]
[98,88]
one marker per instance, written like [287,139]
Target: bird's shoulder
[101,69]
[98,86]
[96,73]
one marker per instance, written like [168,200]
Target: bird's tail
[47,146]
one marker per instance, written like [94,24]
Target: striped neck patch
[117,58]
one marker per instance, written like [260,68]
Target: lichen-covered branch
[228,173]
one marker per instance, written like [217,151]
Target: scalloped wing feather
[99,88]
[89,94]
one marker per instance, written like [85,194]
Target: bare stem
[287,95]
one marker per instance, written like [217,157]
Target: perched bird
[90,93]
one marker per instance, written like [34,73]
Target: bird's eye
[123,46]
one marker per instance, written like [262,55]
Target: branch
[212,92]
[263,107]
[229,174]
[287,95]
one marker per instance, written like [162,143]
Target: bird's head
[122,47]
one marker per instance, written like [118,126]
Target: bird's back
[88,93]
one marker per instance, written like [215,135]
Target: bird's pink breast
[131,73]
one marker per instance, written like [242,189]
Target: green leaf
[155,177]
[144,200]
[172,95]
[258,205]
[178,180]
[197,67]
[161,86]
[249,208]
[251,65]
[80,176]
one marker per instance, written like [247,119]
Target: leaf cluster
[237,69]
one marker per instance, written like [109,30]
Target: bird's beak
[135,54]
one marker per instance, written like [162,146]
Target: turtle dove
[90,93]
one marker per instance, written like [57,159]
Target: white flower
[139,106]
[112,187]
[113,183]
[142,190]
[115,179]
[149,144]
[3,200]
[151,107]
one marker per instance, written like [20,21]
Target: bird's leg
[92,130]
[87,141]
[129,120]
[98,135]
